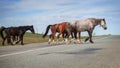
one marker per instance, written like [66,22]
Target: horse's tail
[1,32]
[47,29]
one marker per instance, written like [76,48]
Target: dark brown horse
[61,28]
[15,32]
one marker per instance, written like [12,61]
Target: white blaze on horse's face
[103,24]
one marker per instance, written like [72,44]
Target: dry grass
[35,40]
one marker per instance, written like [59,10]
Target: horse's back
[11,30]
[61,27]
[82,25]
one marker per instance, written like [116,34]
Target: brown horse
[61,28]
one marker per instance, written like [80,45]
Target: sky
[41,13]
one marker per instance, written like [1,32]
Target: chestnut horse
[61,28]
[88,25]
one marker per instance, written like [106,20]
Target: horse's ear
[31,25]
[103,19]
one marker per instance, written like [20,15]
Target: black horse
[15,32]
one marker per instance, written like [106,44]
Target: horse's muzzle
[105,28]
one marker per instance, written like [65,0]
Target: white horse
[88,25]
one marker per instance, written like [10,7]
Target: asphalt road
[104,53]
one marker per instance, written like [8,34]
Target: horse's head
[103,23]
[32,29]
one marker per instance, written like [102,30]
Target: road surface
[104,53]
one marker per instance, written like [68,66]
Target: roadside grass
[34,38]
[30,38]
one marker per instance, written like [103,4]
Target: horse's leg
[53,38]
[64,36]
[3,41]
[14,39]
[90,35]
[75,34]
[79,37]
[9,40]
[87,39]
[59,37]
[68,34]
[49,41]
[21,38]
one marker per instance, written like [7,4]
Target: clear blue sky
[41,13]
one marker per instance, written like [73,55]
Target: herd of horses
[64,28]
[74,28]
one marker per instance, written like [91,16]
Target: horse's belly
[83,28]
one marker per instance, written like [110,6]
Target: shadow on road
[78,52]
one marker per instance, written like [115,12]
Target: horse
[1,29]
[15,32]
[62,28]
[4,38]
[88,25]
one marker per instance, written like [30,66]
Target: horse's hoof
[91,42]
[22,44]
[81,43]
[67,43]
[12,44]
[85,41]
[3,45]
[49,43]
[16,43]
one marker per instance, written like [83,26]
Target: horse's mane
[17,26]
[23,26]
[92,18]
[98,19]
[95,21]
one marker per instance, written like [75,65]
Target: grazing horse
[88,25]
[61,28]
[15,32]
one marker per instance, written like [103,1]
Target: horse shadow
[77,52]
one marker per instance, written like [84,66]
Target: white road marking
[22,52]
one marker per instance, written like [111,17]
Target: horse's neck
[24,29]
[74,23]
[96,22]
